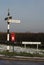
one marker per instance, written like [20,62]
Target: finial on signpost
[8,12]
[8,16]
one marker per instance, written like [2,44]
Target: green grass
[7,53]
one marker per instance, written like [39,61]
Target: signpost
[10,20]
[8,25]
[14,21]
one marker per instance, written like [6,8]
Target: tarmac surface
[22,58]
[8,62]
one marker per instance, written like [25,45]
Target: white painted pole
[24,45]
[37,48]
[8,26]
[8,36]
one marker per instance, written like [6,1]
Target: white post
[24,45]
[37,48]
[8,36]
[8,25]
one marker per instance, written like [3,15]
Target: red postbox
[13,37]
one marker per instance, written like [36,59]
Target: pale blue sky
[30,12]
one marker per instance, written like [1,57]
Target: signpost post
[8,27]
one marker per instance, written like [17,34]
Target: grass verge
[7,53]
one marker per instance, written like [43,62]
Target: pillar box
[13,37]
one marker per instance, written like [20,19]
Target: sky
[29,12]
